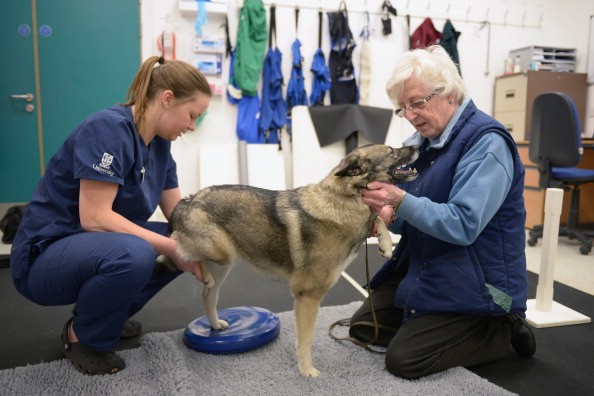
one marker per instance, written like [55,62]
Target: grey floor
[30,334]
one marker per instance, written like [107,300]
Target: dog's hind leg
[306,311]
[207,278]
[210,295]
[383,238]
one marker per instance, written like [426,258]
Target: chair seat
[573,174]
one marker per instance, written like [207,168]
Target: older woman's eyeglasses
[414,106]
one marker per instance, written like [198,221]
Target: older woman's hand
[379,194]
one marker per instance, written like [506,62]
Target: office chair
[556,147]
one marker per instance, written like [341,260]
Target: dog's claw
[311,372]
[220,325]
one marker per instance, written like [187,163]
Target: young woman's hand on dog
[188,266]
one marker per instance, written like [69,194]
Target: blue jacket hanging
[296,94]
[321,81]
[273,108]
[248,118]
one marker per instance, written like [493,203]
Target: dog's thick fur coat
[307,235]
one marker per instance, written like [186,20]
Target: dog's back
[277,231]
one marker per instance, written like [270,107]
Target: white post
[550,236]
[543,311]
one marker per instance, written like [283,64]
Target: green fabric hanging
[252,34]
[449,42]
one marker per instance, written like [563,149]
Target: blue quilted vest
[487,277]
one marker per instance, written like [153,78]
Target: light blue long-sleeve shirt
[481,182]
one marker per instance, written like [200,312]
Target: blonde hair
[157,74]
[434,69]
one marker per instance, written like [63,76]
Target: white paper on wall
[266,166]
[218,164]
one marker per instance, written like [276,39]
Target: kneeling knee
[407,366]
[399,368]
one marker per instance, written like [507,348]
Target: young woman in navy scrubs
[85,238]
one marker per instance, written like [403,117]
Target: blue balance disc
[249,328]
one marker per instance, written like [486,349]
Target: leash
[376,326]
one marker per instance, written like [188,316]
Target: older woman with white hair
[454,291]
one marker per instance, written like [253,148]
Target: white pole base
[559,315]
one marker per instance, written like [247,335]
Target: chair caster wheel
[585,250]
[532,242]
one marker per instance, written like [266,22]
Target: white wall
[513,24]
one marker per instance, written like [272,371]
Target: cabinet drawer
[510,93]
[514,122]
[531,178]
[534,202]
[524,151]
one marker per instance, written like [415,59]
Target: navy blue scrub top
[105,147]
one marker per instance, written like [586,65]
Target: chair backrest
[555,138]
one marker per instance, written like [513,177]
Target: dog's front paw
[309,371]
[219,324]
[386,251]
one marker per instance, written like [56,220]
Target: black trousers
[431,343]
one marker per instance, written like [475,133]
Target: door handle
[28,97]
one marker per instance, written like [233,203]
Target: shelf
[546,58]
[214,6]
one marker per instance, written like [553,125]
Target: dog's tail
[164,265]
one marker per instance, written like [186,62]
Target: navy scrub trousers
[109,276]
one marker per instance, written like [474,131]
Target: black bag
[387,9]
[11,221]
[344,85]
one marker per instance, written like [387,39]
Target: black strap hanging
[228,47]
[272,29]
[320,21]
[408,31]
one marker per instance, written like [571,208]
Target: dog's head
[377,162]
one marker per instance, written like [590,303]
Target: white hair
[434,69]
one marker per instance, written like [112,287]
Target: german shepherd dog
[306,235]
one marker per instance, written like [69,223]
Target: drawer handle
[509,127]
[510,93]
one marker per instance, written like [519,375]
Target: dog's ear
[347,168]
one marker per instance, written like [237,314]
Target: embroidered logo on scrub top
[103,167]
[106,160]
